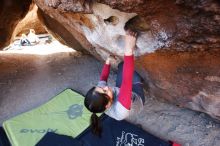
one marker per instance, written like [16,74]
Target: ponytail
[96,102]
[96,125]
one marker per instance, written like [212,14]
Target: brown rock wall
[187,79]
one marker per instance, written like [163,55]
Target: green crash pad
[64,114]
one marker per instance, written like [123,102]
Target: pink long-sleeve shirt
[125,92]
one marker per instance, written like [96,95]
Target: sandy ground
[28,80]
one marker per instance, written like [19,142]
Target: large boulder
[177,48]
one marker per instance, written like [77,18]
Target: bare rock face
[11,12]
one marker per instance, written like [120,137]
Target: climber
[122,101]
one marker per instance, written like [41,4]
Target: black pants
[137,83]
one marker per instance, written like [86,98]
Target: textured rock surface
[178,25]
[72,6]
[11,12]
[182,25]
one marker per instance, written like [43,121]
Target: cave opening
[36,44]
[31,37]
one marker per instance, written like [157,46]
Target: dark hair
[96,125]
[95,102]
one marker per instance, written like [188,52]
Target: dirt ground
[27,81]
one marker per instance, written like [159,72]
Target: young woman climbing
[121,101]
